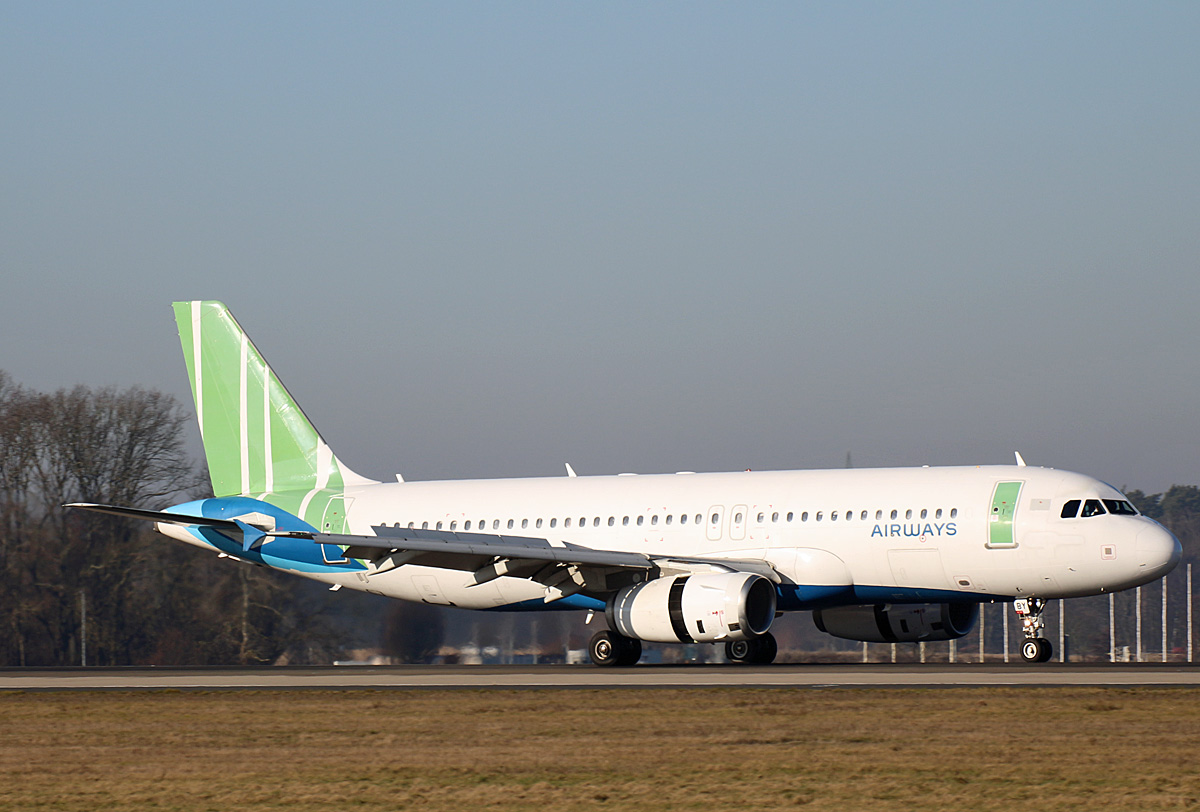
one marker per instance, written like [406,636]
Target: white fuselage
[835,536]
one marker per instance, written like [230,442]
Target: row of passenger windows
[1097,507]
[761,518]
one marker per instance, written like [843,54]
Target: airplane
[879,555]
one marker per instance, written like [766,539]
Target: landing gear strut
[609,649]
[1035,648]
[759,650]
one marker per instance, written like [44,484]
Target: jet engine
[700,608]
[898,623]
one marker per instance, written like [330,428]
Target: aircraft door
[713,525]
[333,520]
[1003,511]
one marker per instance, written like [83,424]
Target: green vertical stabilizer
[257,440]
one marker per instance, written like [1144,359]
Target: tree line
[140,600]
[75,581]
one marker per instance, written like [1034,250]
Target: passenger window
[878,515]
[654,520]
[698,518]
[596,522]
[496,524]
[833,516]
[641,519]
[612,521]
[953,513]
[554,522]
[938,514]
[668,518]
[625,521]
[863,516]
[761,518]
[804,516]
[583,521]
[1120,508]
[849,515]
[567,522]
[789,516]
[438,526]
[716,517]
[924,513]
[453,525]
[424,525]
[774,517]
[683,518]
[510,524]
[467,525]
[819,515]
[412,526]
[908,513]
[538,523]
[895,513]
[737,519]
[1092,507]
[1071,509]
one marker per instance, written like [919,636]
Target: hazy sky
[484,239]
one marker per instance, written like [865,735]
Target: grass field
[817,749]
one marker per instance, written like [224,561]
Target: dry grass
[837,749]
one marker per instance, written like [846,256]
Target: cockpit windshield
[1120,507]
[1097,507]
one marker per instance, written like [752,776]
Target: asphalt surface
[559,676]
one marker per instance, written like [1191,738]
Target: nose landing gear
[1035,648]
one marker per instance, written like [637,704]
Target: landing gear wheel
[1036,650]
[767,649]
[608,649]
[738,651]
[759,650]
[631,651]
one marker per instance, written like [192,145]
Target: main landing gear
[1035,648]
[759,650]
[609,649]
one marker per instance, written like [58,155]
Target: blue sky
[484,239]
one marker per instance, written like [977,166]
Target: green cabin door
[1000,517]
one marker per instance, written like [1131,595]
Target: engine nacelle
[700,608]
[898,623]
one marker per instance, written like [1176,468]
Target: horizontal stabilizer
[158,516]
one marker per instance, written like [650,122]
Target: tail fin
[256,438]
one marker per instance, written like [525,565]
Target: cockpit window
[1071,509]
[1092,507]
[1120,507]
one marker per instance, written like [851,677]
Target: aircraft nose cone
[1158,551]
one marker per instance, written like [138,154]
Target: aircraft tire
[1032,649]
[1046,650]
[608,649]
[737,651]
[765,649]
[604,649]
[631,651]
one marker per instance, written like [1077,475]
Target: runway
[587,677]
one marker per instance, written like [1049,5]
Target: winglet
[570,470]
[1020,459]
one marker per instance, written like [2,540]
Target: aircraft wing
[490,555]
[563,569]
